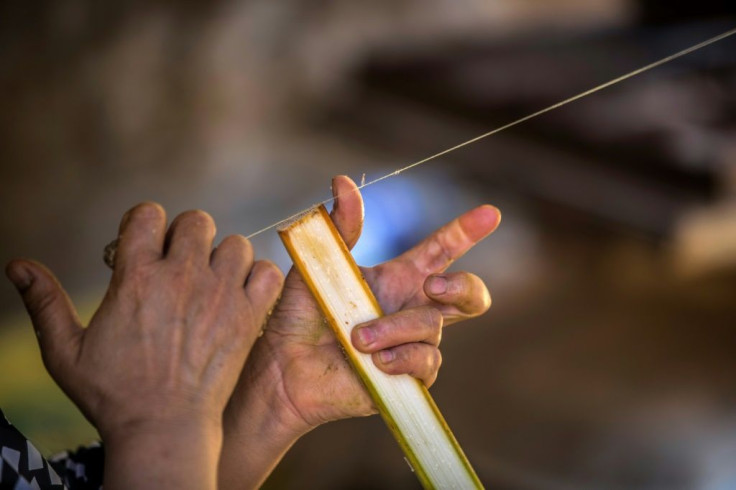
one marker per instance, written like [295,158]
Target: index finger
[436,252]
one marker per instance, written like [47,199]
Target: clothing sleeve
[23,468]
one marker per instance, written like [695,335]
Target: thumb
[347,213]
[52,313]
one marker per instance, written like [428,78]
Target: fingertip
[274,269]
[481,221]
[277,275]
[418,361]
[31,277]
[343,192]
[197,219]
[386,356]
[52,314]
[263,288]
[385,361]
[147,208]
[390,363]
[267,273]
[347,212]
[236,245]
[334,184]
[146,211]
[140,236]
[342,183]
[486,302]
[363,337]
[18,274]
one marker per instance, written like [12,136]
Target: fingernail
[366,335]
[20,277]
[386,356]
[438,285]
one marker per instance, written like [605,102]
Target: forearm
[164,456]
[251,451]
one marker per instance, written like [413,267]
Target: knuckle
[436,359]
[139,268]
[439,252]
[39,302]
[428,359]
[432,366]
[402,355]
[433,318]
[382,326]
[135,277]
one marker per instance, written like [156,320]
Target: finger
[421,324]
[347,213]
[141,236]
[232,259]
[190,237]
[441,248]
[419,360]
[52,313]
[263,288]
[462,294]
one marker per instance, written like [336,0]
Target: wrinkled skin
[159,360]
[299,354]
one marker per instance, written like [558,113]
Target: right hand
[171,336]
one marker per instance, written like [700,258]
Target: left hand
[299,355]
[157,363]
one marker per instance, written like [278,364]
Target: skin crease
[156,365]
[297,378]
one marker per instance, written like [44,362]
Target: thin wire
[514,123]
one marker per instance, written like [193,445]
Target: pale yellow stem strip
[325,264]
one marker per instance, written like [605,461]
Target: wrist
[260,423]
[161,419]
[163,454]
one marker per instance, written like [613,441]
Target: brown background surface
[608,359]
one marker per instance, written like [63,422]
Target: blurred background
[608,359]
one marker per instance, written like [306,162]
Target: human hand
[163,352]
[297,372]
[316,378]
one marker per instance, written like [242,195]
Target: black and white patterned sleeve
[23,468]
